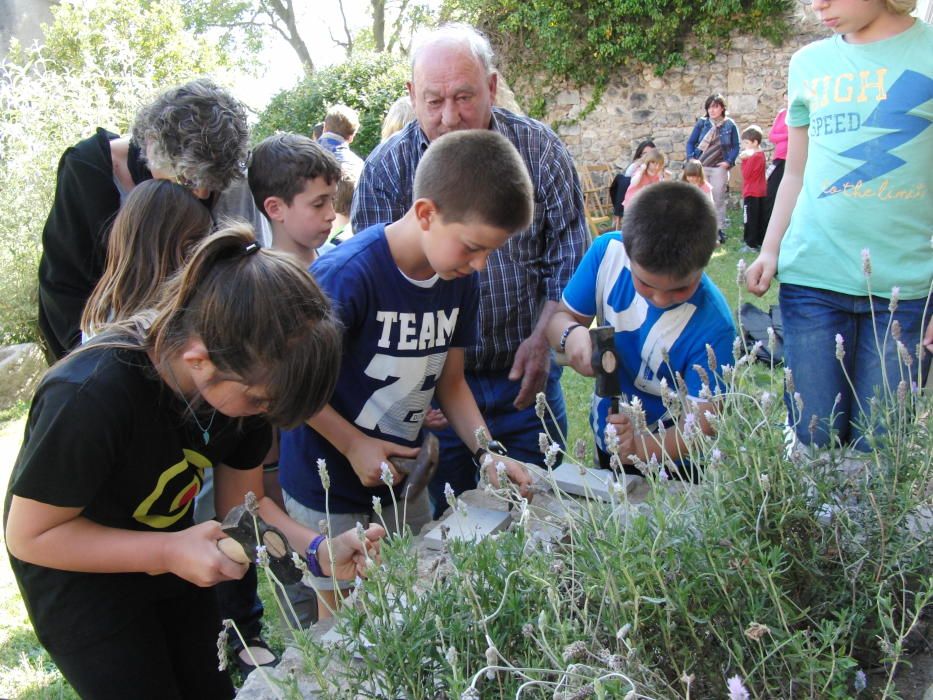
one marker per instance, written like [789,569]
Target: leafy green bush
[586,42]
[787,573]
[368,82]
[98,65]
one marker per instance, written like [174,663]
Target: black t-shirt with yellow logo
[105,434]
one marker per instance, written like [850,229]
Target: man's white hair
[456,32]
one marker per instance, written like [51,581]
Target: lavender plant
[784,573]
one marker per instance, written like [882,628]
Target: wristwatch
[494,447]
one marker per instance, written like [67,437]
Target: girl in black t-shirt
[98,518]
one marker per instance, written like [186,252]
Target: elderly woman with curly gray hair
[194,134]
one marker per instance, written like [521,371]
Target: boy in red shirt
[754,188]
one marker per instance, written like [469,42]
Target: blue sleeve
[733,151]
[694,139]
[341,286]
[717,329]
[580,294]
[465,333]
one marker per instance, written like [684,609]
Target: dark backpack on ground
[754,324]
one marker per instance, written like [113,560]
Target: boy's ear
[274,208]
[425,211]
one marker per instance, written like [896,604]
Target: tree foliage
[368,82]
[586,41]
[246,23]
[98,64]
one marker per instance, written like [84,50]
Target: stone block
[746,104]
[595,483]
[477,524]
[291,667]
[735,82]
[640,116]
[568,97]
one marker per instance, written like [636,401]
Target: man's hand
[435,420]
[515,471]
[531,365]
[352,556]
[367,456]
[759,274]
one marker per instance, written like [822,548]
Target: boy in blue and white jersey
[648,283]
[406,295]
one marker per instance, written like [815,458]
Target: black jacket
[74,240]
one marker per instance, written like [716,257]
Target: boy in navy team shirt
[406,295]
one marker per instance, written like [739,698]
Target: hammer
[240,543]
[420,470]
[604,362]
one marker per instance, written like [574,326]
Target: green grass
[26,671]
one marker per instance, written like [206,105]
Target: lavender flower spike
[737,689]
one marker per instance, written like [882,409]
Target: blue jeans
[812,318]
[517,430]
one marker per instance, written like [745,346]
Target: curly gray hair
[196,130]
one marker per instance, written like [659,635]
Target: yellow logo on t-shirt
[174,492]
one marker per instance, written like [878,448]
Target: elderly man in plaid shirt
[453,87]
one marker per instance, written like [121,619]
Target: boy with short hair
[293,181]
[340,127]
[343,229]
[648,283]
[407,297]
[754,188]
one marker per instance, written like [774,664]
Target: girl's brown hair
[151,236]
[262,318]
[654,156]
[694,168]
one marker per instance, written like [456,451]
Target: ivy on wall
[584,42]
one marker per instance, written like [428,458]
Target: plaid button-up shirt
[533,267]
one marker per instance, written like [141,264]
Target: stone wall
[638,104]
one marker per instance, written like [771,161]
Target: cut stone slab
[477,524]
[266,684]
[595,483]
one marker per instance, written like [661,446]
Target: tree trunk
[286,12]
[379,24]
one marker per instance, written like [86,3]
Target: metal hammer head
[605,361]
[420,470]
[240,526]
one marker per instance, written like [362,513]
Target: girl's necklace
[205,432]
